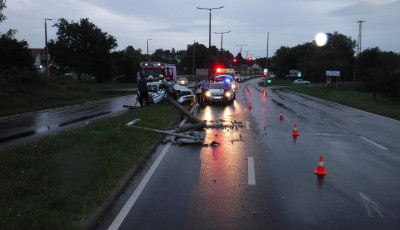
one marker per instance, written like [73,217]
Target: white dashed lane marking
[251,173]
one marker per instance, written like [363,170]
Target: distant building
[39,56]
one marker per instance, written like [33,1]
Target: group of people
[201,89]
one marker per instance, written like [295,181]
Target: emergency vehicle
[225,71]
[155,69]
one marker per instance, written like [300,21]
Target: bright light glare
[321,39]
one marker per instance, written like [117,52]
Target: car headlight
[233,86]
[227,94]
[208,94]
[182,82]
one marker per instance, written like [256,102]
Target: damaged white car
[157,92]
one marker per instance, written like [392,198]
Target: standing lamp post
[222,36]
[209,40]
[148,48]
[47,48]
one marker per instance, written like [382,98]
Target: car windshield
[155,72]
[217,86]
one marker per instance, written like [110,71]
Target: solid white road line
[132,199]
[376,144]
[251,173]
[129,204]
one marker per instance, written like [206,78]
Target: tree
[83,48]
[313,61]
[2,7]
[380,73]
[14,53]
[201,58]
[126,64]
[16,64]
[369,66]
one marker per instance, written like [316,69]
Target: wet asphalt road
[34,125]
[260,177]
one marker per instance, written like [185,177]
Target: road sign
[332,73]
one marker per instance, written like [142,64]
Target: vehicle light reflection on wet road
[223,172]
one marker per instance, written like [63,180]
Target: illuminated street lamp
[209,39]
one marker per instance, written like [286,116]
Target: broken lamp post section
[192,133]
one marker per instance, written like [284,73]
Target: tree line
[378,70]
[83,48]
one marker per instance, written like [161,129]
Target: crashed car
[157,92]
[181,94]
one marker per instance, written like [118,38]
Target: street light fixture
[47,49]
[241,48]
[148,47]
[209,39]
[222,36]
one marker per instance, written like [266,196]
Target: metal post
[194,56]
[222,36]
[209,40]
[47,48]
[267,51]
[148,48]
[209,50]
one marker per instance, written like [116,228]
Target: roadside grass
[58,181]
[53,93]
[352,95]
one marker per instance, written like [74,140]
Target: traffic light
[265,72]
[234,60]
[249,58]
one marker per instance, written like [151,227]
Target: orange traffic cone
[281,116]
[320,169]
[250,105]
[295,133]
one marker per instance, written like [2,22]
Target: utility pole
[222,36]
[267,48]
[241,48]
[209,39]
[247,63]
[194,56]
[149,39]
[247,53]
[359,36]
[47,48]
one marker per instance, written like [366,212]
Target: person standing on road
[198,91]
[142,87]
[205,85]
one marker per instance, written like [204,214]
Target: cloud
[177,23]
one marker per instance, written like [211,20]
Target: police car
[222,90]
